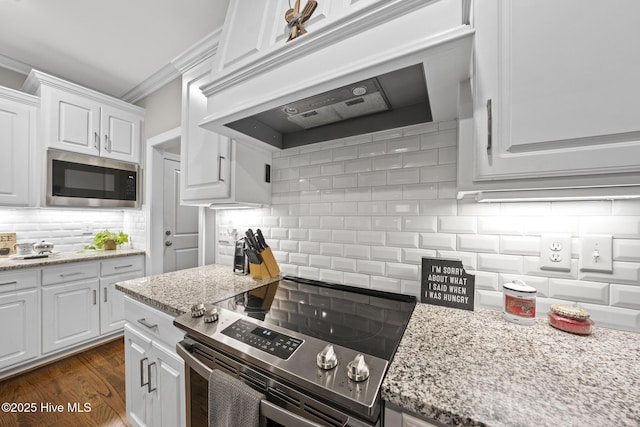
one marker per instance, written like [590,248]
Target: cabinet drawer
[153,322]
[69,272]
[121,265]
[20,279]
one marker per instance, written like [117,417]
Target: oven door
[283,406]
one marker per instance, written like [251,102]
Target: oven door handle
[267,409]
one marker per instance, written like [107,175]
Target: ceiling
[111,46]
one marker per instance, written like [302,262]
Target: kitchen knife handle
[489,126]
[220,159]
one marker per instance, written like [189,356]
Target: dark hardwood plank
[94,377]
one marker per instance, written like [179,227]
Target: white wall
[363,211]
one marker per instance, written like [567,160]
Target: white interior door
[180,223]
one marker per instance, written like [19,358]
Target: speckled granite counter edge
[7,264]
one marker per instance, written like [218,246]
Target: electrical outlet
[596,253]
[555,252]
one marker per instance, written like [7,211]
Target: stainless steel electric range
[317,351]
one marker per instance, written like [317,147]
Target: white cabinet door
[136,359]
[70,314]
[204,155]
[120,132]
[19,333]
[112,302]
[15,146]
[562,78]
[72,122]
[168,401]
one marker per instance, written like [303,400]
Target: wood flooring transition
[93,380]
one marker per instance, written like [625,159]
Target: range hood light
[359,91]
[290,110]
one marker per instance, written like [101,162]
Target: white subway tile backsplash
[450,124]
[357,194]
[478,243]
[627,273]
[467,207]
[622,227]
[447,190]
[372,179]
[414,256]
[591,207]
[344,236]
[386,223]
[385,253]
[539,225]
[626,250]
[440,173]
[357,166]
[311,222]
[343,264]
[420,191]
[371,237]
[522,209]
[279,233]
[387,134]
[289,221]
[323,183]
[614,317]
[298,234]
[403,176]
[332,169]
[331,276]
[298,259]
[410,287]
[372,208]
[334,143]
[438,207]
[309,171]
[374,268]
[500,225]
[488,281]
[299,184]
[500,263]
[403,207]
[386,192]
[280,163]
[457,224]
[332,249]
[320,261]
[421,158]
[469,259]
[402,271]
[625,207]
[420,129]
[344,208]
[580,291]
[402,239]
[387,162]
[319,235]
[403,145]
[357,251]
[373,149]
[324,156]
[345,153]
[441,241]
[288,245]
[358,139]
[356,279]
[438,140]
[324,208]
[357,222]
[625,296]
[540,283]
[385,284]
[532,267]
[299,160]
[312,273]
[447,155]
[420,223]
[488,299]
[520,245]
[345,181]
[331,222]
[332,195]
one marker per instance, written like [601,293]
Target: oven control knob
[197,310]
[327,358]
[211,315]
[357,369]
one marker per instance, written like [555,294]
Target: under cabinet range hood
[360,68]
[395,99]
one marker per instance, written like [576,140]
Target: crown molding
[13,65]
[195,54]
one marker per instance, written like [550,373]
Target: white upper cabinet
[214,168]
[555,96]
[83,121]
[17,136]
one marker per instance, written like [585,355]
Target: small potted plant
[107,240]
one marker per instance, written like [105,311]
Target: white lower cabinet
[19,317]
[70,314]
[155,387]
[396,417]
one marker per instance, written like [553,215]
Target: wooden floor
[94,377]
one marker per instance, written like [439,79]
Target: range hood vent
[391,100]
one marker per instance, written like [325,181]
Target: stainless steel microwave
[80,180]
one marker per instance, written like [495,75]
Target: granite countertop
[175,292]
[474,369]
[7,264]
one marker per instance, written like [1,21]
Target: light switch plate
[555,252]
[596,253]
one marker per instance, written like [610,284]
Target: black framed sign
[446,283]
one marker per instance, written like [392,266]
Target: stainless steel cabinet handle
[220,159]
[105,294]
[117,267]
[96,141]
[77,273]
[149,389]
[95,297]
[9,283]
[106,142]
[142,383]
[144,322]
[489,126]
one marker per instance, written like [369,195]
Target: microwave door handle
[202,369]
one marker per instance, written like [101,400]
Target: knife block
[270,262]
[259,271]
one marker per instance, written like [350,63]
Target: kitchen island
[475,369]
